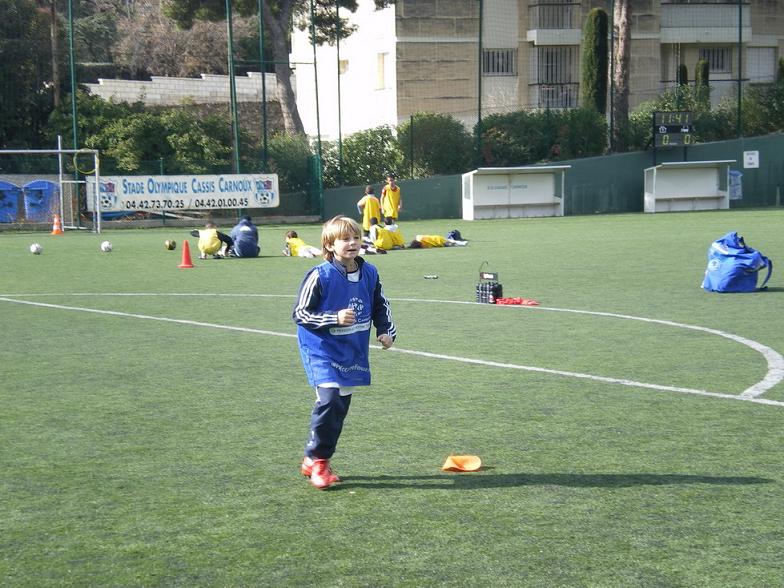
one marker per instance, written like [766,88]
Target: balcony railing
[562,15]
[554,95]
[705,15]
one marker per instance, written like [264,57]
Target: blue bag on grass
[733,266]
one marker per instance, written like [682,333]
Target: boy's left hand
[385,340]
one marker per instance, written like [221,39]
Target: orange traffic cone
[57,225]
[186,256]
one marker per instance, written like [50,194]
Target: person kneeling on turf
[246,239]
[212,242]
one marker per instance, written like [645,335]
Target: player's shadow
[471,481]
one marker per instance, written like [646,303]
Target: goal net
[36,184]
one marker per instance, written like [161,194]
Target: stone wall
[167,91]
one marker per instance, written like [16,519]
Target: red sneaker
[307,467]
[321,475]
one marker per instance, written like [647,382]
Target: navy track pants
[326,422]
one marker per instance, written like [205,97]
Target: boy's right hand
[346,317]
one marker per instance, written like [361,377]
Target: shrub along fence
[596,185]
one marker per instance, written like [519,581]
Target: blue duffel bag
[733,266]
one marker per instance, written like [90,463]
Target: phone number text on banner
[120,193]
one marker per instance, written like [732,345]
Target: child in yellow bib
[369,207]
[391,200]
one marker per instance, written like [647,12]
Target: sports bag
[733,266]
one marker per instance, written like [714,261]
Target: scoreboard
[672,129]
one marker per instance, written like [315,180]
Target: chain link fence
[418,88]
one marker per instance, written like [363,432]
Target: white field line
[775,361]
[148,317]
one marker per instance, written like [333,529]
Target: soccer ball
[170,245]
[36,249]
[106,246]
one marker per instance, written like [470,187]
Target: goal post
[70,188]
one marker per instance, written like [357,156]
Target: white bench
[687,185]
[513,192]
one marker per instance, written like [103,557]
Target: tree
[683,75]
[25,73]
[96,31]
[702,84]
[54,40]
[682,85]
[278,18]
[620,107]
[152,45]
[593,85]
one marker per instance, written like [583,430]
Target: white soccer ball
[106,246]
[36,249]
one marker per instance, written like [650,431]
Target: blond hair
[339,227]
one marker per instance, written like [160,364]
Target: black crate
[488,292]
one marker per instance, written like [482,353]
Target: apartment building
[457,56]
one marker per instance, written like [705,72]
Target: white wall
[364,102]
[166,91]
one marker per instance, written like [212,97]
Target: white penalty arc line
[749,395]
[622,382]
[773,358]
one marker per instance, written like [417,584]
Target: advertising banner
[193,192]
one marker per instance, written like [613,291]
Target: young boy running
[337,302]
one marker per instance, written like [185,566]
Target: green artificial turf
[153,418]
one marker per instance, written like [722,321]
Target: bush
[93,115]
[199,145]
[131,140]
[441,145]
[367,157]
[330,165]
[289,157]
[581,133]
[502,139]
[709,125]
[763,109]
[520,138]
